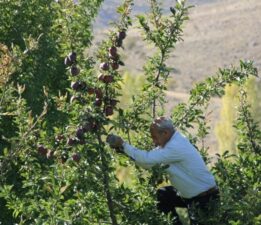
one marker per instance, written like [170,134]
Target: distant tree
[225,130]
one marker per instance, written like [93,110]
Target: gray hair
[162,124]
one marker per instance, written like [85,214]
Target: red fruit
[90,91]
[80,133]
[98,102]
[59,138]
[101,77]
[72,56]
[122,35]
[75,71]
[113,51]
[42,150]
[108,110]
[71,141]
[107,79]
[76,86]
[67,61]
[104,66]
[98,93]
[115,65]
[76,157]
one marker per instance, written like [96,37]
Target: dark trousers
[168,200]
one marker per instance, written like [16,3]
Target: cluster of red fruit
[70,61]
[106,76]
[49,154]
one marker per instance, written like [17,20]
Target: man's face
[159,138]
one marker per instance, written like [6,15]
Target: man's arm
[150,158]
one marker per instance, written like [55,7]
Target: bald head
[162,124]
[161,131]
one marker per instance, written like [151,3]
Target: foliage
[225,131]
[55,167]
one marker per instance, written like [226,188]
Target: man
[193,186]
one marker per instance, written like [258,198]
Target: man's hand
[115,142]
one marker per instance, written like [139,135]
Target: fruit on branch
[101,77]
[72,56]
[105,66]
[107,79]
[80,133]
[67,61]
[98,93]
[78,85]
[113,52]
[122,35]
[115,65]
[74,70]
[76,157]
[108,110]
[42,150]
[90,90]
[71,141]
[59,138]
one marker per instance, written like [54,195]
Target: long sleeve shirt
[187,170]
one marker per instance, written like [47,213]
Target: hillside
[218,34]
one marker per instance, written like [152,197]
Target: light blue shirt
[187,170]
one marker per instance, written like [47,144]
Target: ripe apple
[71,141]
[113,51]
[122,35]
[76,86]
[59,138]
[76,157]
[108,110]
[74,70]
[101,77]
[115,65]
[67,61]
[108,79]
[80,133]
[98,93]
[42,150]
[90,90]
[105,66]
[72,56]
